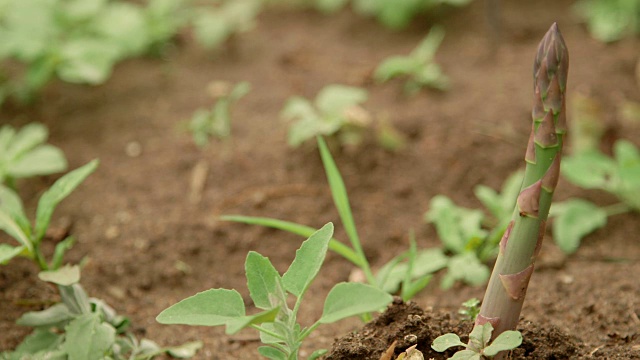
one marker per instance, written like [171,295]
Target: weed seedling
[470,309]
[79,327]
[419,67]
[216,121]
[23,153]
[215,25]
[277,322]
[409,271]
[336,111]
[480,345]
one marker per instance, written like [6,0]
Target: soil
[146,243]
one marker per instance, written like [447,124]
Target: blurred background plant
[80,41]
[610,20]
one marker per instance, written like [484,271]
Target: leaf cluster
[591,169]
[216,121]
[24,153]
[335,111]
[80,41]
[81,328]
[277,322]
[418,67]
[610,20]
[480,345]
[470,235]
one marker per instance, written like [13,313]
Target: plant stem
[617,209]
[522,240]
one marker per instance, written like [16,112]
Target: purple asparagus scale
[522,240]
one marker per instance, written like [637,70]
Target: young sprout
[419,67]
[522,240]
[480,345]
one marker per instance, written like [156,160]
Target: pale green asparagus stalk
[521,242]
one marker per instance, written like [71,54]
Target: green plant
[277,323]
[468,234]
[216,121]
[408,272]
[214,25]
[479,347]
[591,169]
[79,327]
[397,14]
[335,111]
[470,309]
[80,41]
[419,67]
[23,153]
[522,240]
[610,20]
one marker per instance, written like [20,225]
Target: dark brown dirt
[137,228]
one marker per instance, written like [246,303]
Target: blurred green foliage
[610,20]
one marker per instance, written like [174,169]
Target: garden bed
[147,245]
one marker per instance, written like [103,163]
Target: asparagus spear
[521,242]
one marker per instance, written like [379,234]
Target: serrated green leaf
[465,267]
[308,260]
[573,220]
[66,275]
[236,324]
[455,225]
[88,338]
[443,342]
[56,193]
[262,280]
[212,307]
[507,340]
[350,299]
[75,298]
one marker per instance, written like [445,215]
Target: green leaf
[501,204]
[507,340]
[573,220]
[271,353]
[11,205]
[340,198]
[52,316]
[8,225]
[330,6]
[208,308]
[65,276]
[350,299]
[395,66]
[628,161]
[75,298]
[590,170]
[56,193]
[43,160]
[302,230]
[466,355]
[481,335]
[61,248]
[335,99]
[88,338]
[455,225]
[40,341]
[426,50]
[25,140]
[236,324]
[8,252]
[308,260]
[184,351]
[317,354]
[262,280]
[443,342]
[465,267]
[87,61]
